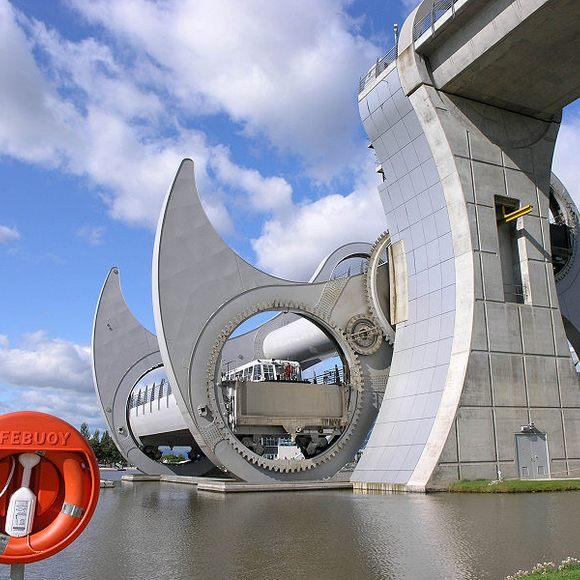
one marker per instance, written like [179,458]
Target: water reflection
[152,530]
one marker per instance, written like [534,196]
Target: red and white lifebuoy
[66,483]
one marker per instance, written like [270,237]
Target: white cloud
[92,235]
[566,156]
[292,246]
[284,71]
[72,406]
[84,113]
[48,375]
[287,71]
[92,68]
[35,123]
[264,193]
[8,234]
[42,362]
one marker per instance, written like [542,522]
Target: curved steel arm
[124,351]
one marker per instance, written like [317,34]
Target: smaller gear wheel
[363,335]
[372,291]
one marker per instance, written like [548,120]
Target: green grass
[571,573]
[567,568]
[515,486]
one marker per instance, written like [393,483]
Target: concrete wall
[509,53]
[519,369]
[470,366]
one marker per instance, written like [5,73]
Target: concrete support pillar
[508,364]
[517,367]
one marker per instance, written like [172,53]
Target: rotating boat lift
[202,292]
[428,325]
[124,351]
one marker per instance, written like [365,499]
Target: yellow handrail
[518,213]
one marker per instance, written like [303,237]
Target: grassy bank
[514,486]
[568,568]
[569,573]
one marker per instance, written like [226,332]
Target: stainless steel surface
[123,352]
[17,572]
[72,510]
[202,291]
[152,530]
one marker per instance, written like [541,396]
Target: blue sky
[99,103]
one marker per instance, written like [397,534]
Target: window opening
[509,254]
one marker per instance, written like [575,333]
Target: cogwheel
[363,335]
[570,217]
[356,383]
[371,290]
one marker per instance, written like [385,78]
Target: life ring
[66,483]
[65,527]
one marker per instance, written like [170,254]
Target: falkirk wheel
[453,344]
[354,314]
[202,291]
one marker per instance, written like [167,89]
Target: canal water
[153,531]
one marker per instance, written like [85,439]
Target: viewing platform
[223,485]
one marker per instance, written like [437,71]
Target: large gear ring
[363,335]
[356,384]
[371,287]
[569,217]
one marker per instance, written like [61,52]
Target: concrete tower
[463,119]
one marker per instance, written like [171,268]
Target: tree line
[103,446]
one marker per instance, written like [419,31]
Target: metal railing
[333,376]
[337,274]
[515,293]
[429,13]
[155,391]
[150,393]
[381,64]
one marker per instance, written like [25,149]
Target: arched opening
[156,423]
[350,266]
[294,400]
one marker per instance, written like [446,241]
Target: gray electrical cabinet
[532,455]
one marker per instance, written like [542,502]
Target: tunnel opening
[156,423]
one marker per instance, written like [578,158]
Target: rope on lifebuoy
[70,466]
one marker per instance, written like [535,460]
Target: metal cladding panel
[271,401]
[416,213]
